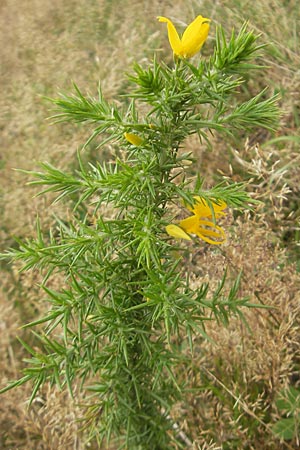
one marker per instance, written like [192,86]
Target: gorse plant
[117,325]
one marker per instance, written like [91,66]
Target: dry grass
[44,45]
[244,368]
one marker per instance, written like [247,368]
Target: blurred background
[44,46]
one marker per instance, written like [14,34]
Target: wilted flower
[192,39]
[204,229]
[133,139]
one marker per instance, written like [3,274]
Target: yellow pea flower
[192,39]
[202,209]
[177,232]
[204,229]
[133,139]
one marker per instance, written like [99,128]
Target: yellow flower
[177,232]
[204,229]
[202,209]
[192,39]
[133,139]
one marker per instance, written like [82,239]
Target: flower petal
[194,36]
[203,229]
[177,232]
[214,231]
[202,209]
[174,38]
[133,139]
[189,224]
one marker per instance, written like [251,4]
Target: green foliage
[115,325]
[236,55]
[288,404]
